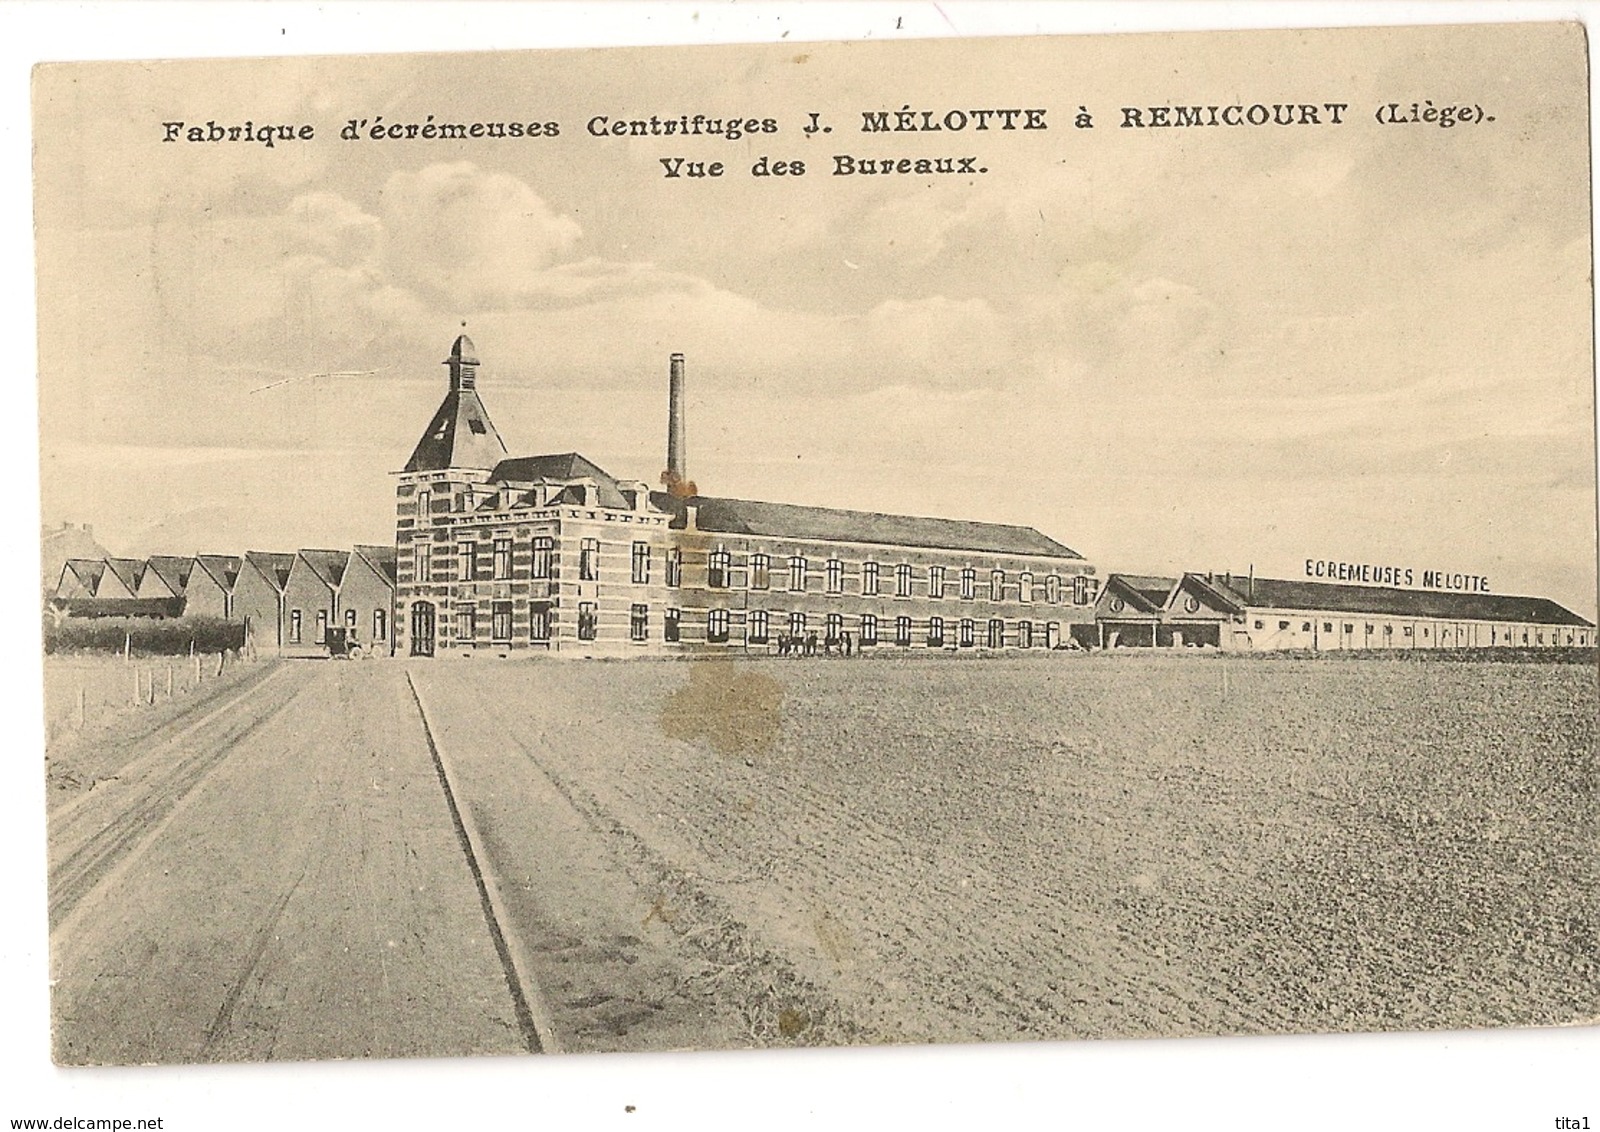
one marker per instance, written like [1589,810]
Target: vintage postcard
[712,548]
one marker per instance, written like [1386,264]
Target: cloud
[335,228]
[471,239]
[939,342]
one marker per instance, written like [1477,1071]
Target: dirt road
[277,879]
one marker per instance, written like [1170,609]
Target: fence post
[127,646]
[220,656]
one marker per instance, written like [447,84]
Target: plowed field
[1048,847]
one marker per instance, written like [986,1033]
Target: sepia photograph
[964,540]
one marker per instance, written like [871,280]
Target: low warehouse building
[258,596]
[366,596]
[211,581]
[1242,613]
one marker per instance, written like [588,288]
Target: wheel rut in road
[521,983]
[307,900]
[109,841]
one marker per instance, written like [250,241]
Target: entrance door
[422,629]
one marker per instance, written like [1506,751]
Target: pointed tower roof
[460,434]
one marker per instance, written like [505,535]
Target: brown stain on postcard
[728,707]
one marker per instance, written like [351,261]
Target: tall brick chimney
[675,454]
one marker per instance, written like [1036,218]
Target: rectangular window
[589,562]
[380,625]
[797,575]
[1052,588]
[797,624]
[902,580]
[997,585]
[902,631]
[322,627]
[756,627]
[466,561]
[834,626]
[966,638]
[539,621]
[760,571]
[997,633]
[294,627]
[639,623]
[717,627]
[936,632]
[502,558]
[1080,589]
[670,623]
[674,569]
[1406,632]
[1025,634]
[500,622]
[1025,587]
[422,561]
[641,566]
[1327,626]
[467,622]
[424,508]
[835,576]
[718,566]
[869,629]
[588,621]
[969,584]
[543,551]
[350,620]
[869,579]
[935,581]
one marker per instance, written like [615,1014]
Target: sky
[1169,349]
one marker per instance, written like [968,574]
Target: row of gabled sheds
[286,600]
[1243,613]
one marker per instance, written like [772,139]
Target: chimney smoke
[676,472]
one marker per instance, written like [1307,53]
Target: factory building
[552,553]
[1243,613]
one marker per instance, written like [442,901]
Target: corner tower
[442,482]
